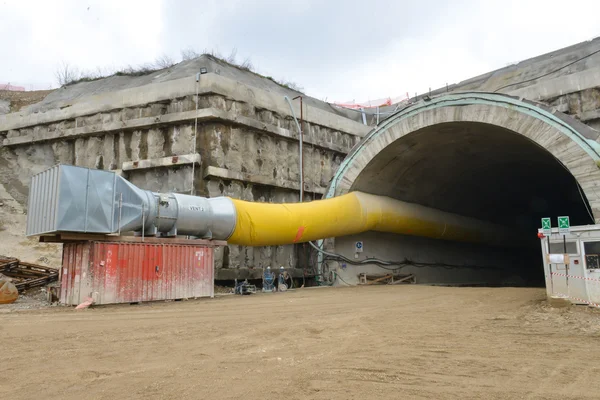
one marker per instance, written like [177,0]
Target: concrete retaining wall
[567,79]
[246,147]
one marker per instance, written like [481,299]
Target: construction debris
[8,291]
[88,302]
[26,275]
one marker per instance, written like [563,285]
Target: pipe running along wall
[111,205]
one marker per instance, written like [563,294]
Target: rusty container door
[117,272]
[75,267]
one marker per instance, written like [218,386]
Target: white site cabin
[574,274]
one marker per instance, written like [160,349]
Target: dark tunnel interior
[481,171]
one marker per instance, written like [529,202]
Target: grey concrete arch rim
[577,133]
[467,98]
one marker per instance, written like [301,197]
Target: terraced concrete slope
[237,140]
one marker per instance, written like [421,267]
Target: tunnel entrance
[481,155]
[482,171]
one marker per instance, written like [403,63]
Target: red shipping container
[129,272]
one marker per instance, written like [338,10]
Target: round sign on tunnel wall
[358,247]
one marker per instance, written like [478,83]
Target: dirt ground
[409,342]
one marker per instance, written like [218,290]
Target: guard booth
[572,263]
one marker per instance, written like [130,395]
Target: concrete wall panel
[494,266]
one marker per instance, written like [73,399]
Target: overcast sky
[336,49]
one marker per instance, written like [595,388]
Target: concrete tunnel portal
[486,156]
[449,189]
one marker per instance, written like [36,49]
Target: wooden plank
[50,239]
[27,275]
[8,264]
[35,267]
[406,278]
[380,279]
[72,237]
[36,282]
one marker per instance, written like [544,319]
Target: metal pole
[566,264]
[143,221]
[195,134]
[300,136]
[301,151]
[301,148]
[550,267]
[551,280]
[120,210]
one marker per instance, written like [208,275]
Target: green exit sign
[564,225]
[546,226]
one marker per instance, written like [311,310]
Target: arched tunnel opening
[477,170]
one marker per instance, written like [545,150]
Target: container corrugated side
[113,272]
